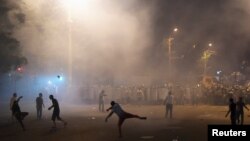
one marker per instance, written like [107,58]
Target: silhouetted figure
[240,111]
[116,108]
[56,111]
[12,100]
[17,112]
[39,106]
[232,111]
[169,104]
[101,101]
[139,95]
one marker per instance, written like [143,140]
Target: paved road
[85,123]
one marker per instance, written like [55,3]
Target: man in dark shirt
[56,111]
[232,111]
[240,111]
[39,106]
[16,111]
[12,100]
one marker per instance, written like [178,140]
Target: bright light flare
[218,72]
[80,9]
[73,4]
[175,29]
[76,6]
[19,69]
[210,44]
[49,82]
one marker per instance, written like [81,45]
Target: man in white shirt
[169,104]
[116,108]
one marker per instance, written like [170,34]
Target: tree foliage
[11,17]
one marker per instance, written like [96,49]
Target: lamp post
[69,5]
[205,57]
[70,50]
[73,8]
[169,43]
[169,40]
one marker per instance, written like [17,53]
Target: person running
[101,101]
[240,105]
[169,104]
[12,100]
[122,115]
[39,106]
[232,111]
[56,111]
[16,111]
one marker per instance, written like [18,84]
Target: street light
[175,29]
[194,46]
[169,43]
[76,7]
[73,7]
[205,57]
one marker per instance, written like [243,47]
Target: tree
[11,17]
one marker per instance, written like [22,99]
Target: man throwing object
[116,108]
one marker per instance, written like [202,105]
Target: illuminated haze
[109,39]
[123,39]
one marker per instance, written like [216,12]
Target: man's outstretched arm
[19,98]
[109,108]
[51,106]
[228,112]
[245,106]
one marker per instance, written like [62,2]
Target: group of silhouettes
[19,115]
[236,110]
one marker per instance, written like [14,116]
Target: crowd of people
[216,94]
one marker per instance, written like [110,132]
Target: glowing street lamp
[194,46]
[75,6]
[175,29]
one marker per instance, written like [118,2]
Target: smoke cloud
[109,39]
